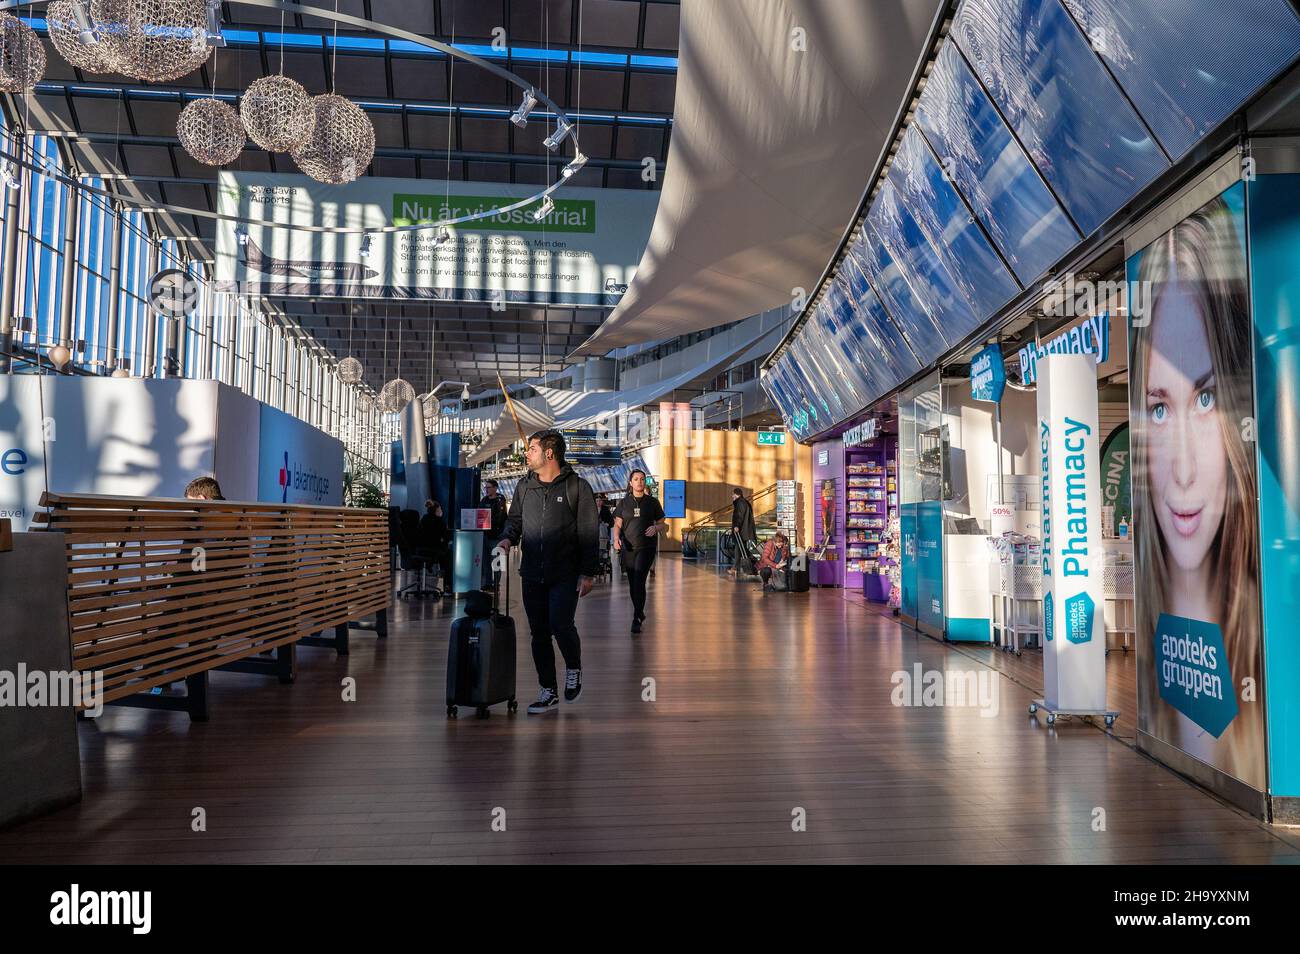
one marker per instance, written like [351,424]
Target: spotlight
[520,116]
[543,210]
[242,236]
[443,236]
[562,130]
[572,168]
[10,174]
[464,395]
[85,26]
[215,37]
[365,245]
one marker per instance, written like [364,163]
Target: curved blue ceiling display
[1221,60]
[988,166]
[1058,99]
[894,284]
[1039,121]
[977,273]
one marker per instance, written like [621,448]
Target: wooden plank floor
[764,704]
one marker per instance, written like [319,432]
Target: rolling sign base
[1109,715]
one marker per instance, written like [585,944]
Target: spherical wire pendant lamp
[211,131]
[350,370]
[22,57]
[395,395]
[69,38]
[278,113]
[153,40]
[342,142]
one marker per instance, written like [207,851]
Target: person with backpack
[553,519]
[638,522]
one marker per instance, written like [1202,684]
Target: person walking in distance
[638,522]
[494,502]
[742,523]
[553,518]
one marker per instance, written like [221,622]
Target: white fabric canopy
[577,409]
[775,134]
[504,433]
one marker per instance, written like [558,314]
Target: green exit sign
[771,437]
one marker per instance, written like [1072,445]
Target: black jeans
[638,563]
[550,608]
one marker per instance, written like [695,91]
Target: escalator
[710,540]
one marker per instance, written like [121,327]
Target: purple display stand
[824,572]
[875,587]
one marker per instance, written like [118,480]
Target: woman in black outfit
[638,521]
[436,536]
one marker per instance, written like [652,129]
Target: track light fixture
[572,168]
[520,116]
[545,209]
[443,236]
[365,246]
[562,130]
[241,236]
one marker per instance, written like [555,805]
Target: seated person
[435,538]
[776,556]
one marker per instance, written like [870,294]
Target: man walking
[494,502]
[553,513]
[742,525]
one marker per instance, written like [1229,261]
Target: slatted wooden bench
[161,590]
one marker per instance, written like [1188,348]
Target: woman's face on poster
[1186,458]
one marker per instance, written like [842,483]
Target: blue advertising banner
[929,565]
[675,499]
[907,574]
[988,377]
[1275,263]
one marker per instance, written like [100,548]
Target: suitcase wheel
[482,712]
[451,712]
[512,705]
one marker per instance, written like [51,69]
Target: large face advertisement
[584,252]
[1193,483]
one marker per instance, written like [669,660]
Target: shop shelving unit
[871,490]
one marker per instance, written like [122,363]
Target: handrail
[769,489]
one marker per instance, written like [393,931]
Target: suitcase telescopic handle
[496,590]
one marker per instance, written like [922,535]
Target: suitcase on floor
[481,656]
[798,580]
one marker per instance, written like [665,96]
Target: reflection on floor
[707,738]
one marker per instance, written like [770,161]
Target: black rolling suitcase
[481,656]
[798,579]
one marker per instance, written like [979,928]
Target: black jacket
[742,518]
[498,507]
[557,524]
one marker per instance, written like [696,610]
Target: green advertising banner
[569,215]
[1116,484]
[583,252]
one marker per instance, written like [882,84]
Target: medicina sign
[584,251]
